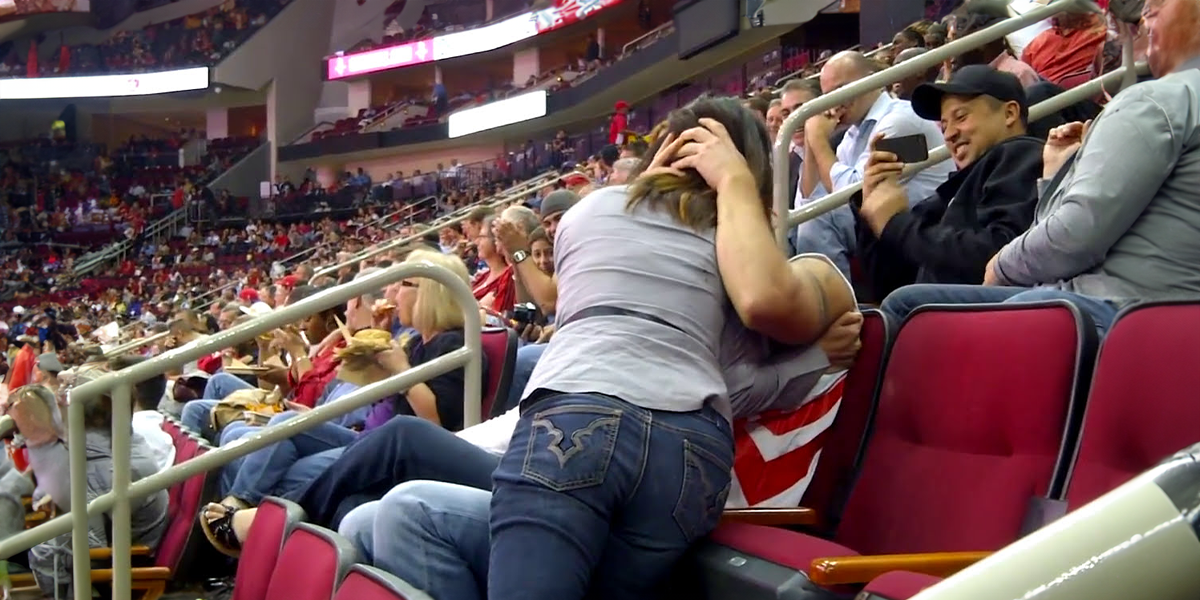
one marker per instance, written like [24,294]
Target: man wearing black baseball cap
[950,236]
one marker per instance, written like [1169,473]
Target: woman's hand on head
[706,149]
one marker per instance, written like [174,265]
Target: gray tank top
[644,262]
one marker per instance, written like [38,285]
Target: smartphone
[909,148]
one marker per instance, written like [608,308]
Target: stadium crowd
[1094,205]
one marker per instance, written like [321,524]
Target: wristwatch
[519,256]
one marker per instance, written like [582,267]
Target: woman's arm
[789,303]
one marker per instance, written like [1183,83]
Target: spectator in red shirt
[1066,53]
[620,122]
[21,372]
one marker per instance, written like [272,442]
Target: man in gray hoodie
[48,458]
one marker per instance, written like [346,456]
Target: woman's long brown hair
[688,198]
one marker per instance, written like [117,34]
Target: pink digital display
[463,43]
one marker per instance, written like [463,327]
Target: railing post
[121,542]
[77,454]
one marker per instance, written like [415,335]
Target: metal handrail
[782,80]
[882,79]
[135,344]
[1040,110]
[119,385]
[645,36]
[526,187]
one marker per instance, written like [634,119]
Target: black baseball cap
[971,80]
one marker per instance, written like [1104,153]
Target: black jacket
[950,236]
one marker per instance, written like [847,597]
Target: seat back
[185,450]
[311,564]
[182,519]
[273,521]
[500,348]
[978,406]
[369,583]
[846,438]
[1141,408]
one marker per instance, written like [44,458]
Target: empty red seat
[312,563]
[977,408]
[369,583]
[1140,409]
[273,521]
[500,348]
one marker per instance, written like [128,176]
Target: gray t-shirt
[643,261]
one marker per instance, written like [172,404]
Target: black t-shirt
[448,387]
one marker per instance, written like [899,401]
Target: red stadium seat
[500,348]
[311,565]
[273,522]
[369,583]
[977,409]
[1139,411]
[844,441]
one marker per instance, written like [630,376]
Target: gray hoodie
[52,561]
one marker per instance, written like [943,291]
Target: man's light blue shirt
[832,233]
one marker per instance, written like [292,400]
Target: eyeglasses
[409,284]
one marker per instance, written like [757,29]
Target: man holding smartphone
[949,235]
[827,169]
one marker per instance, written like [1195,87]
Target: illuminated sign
[20,8]
[463,43]
[103,86]
[498,114]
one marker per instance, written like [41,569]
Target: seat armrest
[843,570]
[136,574]
[106,553]
[770,516]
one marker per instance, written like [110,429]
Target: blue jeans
[433,535]
[403,449]
[263,470]
[196,413]
[902,302]
[527,359]
[600,498]
[221,385]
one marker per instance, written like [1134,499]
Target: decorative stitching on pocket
[585,462]
[700,502]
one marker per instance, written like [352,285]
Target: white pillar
[216,123]
[600,40]
[358,96]
[525,63]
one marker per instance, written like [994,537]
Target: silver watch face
[520,255]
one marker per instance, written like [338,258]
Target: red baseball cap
[248,295]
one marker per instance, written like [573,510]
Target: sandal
[220,532]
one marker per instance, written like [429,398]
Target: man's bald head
[845,67]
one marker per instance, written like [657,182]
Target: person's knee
[357,526]
[283,416]
[1037,295]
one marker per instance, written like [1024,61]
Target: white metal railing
[119,386]
[513,193]
[879,81]
[645,36]
[797,73]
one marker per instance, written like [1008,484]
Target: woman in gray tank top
[623,453]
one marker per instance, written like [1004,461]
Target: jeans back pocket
[570,447]
[702,495]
